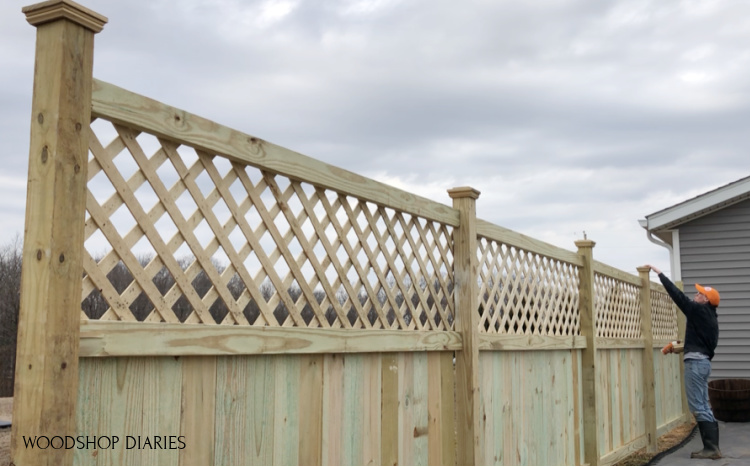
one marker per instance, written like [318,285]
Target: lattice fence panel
[617,308]
[663,316]
[177,235]
[522,292]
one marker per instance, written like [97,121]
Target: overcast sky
[568,116]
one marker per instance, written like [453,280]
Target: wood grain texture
[198,411]
[372,403]
[466,296]
[589,373]
[389,415]
[528,402]
[141,402]
[530,342]
[649,384]
[287,432]
[311,410]
[47,345]
[104,338]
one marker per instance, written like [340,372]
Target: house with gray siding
[708,238]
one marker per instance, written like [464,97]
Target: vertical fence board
[231,408]
[486,407]
[420,408]
[351,424]
[499,411]
[626,416]
[161,410]
[261,400]
[389,415]
[197,423]
[333,408]
[448,408]
[434,417]
[286,410]
[97,380]
[311,410]
[405,409]
[372,396]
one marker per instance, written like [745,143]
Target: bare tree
[10,301]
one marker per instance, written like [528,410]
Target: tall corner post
[46,386]
[591,455]
[649,380]
[466,297]
[681,325]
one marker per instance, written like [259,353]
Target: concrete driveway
[734,441]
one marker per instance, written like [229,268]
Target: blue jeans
[696,388]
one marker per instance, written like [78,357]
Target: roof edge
[698,206]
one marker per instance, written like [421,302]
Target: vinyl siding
[715,251]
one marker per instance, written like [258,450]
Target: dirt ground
[665,442]
[668,440]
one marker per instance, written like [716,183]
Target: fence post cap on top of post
[585,243]
[52,10]
[464,192]
[643,269]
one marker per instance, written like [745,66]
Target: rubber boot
[710,436]
[703,439]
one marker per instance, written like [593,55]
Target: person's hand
[654,268]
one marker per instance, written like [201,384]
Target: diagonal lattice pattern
[617,307]
[174,234]
[522,292]
[663,316]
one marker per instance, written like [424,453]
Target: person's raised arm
[678,297]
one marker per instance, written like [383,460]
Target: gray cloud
[567,115]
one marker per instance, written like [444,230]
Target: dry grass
[665,442]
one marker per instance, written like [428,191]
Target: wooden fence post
[466,295]
[649,383]
[46,385]
[681,325]
[588,355]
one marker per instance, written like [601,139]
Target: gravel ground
[6,413]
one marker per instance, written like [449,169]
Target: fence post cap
[585,243]
[464,192]
[53,10]
[643,269]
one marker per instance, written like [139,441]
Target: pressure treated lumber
[649,386]
[119,338]
[467,322]
[46,385]
[588,355]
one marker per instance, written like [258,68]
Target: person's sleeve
[678,297]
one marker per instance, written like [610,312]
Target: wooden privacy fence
[202,296]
